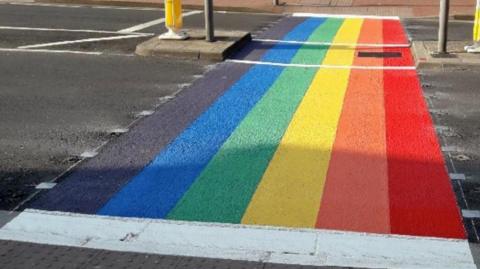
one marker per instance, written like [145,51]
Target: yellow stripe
[476,28]
[291,188]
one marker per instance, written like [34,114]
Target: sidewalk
[403,8]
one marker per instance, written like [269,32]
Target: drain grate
[371,54]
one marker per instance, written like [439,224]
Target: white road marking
[129,8]
[13,3]
[344,16]
[470,214]
[334,44]
[50,51]
[89,154]
[32,3]
[451,149]
[145,113]
[152,23]
[65,30]
[118,131]
[239,242]
[45,185]
[356,67]
[457,176]
[87,40]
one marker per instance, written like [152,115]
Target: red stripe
[422,201]
[393,32]
[356,190]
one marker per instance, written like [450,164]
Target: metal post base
[174,35]
[473,49]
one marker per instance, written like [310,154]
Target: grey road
[56,106]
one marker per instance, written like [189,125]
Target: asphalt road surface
[64,99]
[56,106]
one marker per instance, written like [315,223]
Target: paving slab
[425,54]
[195,47]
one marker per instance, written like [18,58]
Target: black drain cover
[388,54]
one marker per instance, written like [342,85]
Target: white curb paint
[69,42]
[152,23]
[238,242]
[51,51]
[344,16]
[357,67]
[334,44]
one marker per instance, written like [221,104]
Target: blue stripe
[284,53]
[160,185]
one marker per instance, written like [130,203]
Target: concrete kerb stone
[423,50]
[196,48]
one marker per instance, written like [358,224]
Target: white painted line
[152,23]
[145,113]
[345,16]
[471,214]
[45,185]
[357,67]
[69,42]
[50,51]
[128,8]
[43,4]
[118,131]
[457,176]
[238,242]
[89,154]
[451,149]
[64,30]
[334,44]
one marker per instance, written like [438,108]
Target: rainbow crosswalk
[310,136]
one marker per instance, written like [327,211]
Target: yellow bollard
[475,48]
[476,27]
[173,20]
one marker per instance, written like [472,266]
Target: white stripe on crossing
[152,23]
[355,67]
[87,40]
[344,16]
[334,44]
[238,242]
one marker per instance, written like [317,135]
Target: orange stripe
[356,191]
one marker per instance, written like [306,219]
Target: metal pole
[209,27]
[443,26]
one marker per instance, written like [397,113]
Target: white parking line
[152,23]
[13,3]
[50,51]
[87,40]
[334,44]
[65,30]
[357,67]
[239,242]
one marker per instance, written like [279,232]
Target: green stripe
[325,33]
[224,189]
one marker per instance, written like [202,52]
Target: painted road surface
[321,125]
